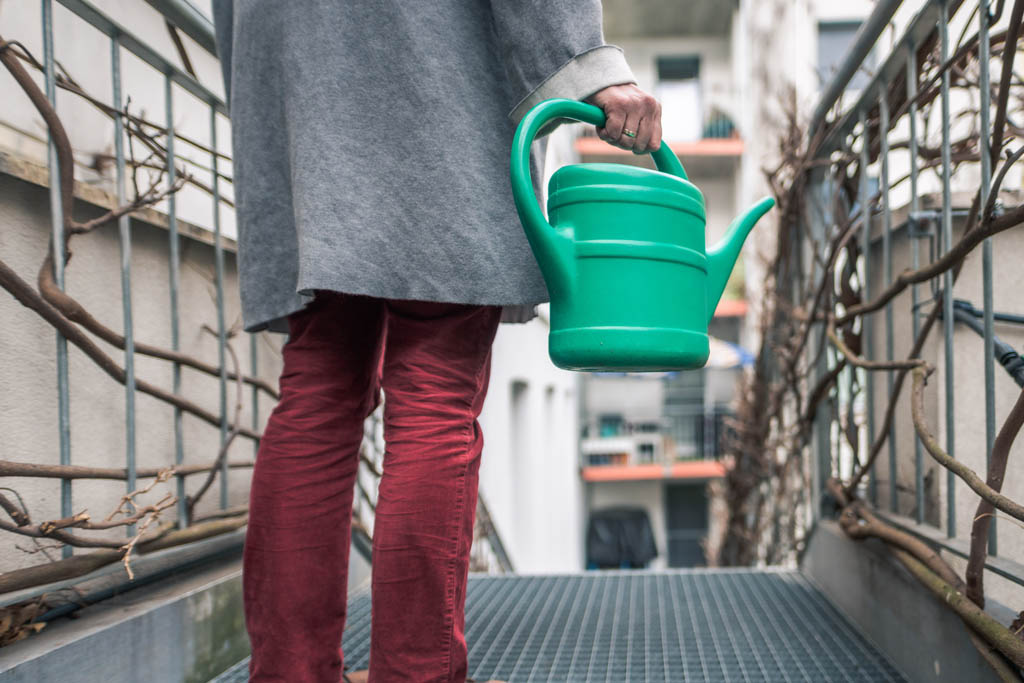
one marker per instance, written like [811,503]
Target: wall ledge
[31,171]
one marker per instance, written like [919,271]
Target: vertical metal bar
[218,251]
[254,369]
[125,239]
[174,268]
[916,263]
[823,417]
[986,254]
[947,277]
[57,238]
[865,217]
[883,137]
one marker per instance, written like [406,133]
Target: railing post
[986,253]
[883,157]
[174,269]
[915,251]
[57,238]
[125,240]
[254,369]
[947,277]
[866,326]
[218,251]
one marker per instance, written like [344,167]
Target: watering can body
[622,252]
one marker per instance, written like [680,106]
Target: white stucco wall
[529,473]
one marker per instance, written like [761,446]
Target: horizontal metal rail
[190,20]
[143,51]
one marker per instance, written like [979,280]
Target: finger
[655,143]
[613,126]
[632,124]
[643,136]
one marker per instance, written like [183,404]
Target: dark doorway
[686,521]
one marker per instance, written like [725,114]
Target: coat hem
[277,320]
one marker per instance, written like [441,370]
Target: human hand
[628,108]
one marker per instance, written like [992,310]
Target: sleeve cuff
[580,77]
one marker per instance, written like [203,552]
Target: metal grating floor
[697,625]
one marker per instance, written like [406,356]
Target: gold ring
[630,133]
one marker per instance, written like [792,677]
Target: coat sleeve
[555,48]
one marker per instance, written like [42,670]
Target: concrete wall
[187,629]
[921,636]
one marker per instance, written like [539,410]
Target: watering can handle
[522,186]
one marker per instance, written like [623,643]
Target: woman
[376,226]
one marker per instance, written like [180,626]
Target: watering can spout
[722,257]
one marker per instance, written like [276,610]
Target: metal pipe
[125,241]
[863,42]
[57,238]
[190,20]
[218,251]
[947,277]
[986,249]
[915,250]
[173,270]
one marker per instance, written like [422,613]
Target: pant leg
[295,562]
[435,372]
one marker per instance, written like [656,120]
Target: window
[610,425]
[679,92]
[834,40]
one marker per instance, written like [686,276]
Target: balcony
[716,153]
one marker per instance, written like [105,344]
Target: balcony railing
[905,180]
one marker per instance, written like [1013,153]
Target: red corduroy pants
[432,361]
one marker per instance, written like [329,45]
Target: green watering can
[631,286]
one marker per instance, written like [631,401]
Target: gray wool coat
[372,141]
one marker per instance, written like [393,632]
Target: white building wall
[529,474]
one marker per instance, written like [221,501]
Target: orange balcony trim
[733,308]
[692,469]
[708,147]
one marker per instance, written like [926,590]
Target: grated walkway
[678,625]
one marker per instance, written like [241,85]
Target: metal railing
[862,225]
[121,39]
[74,323]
